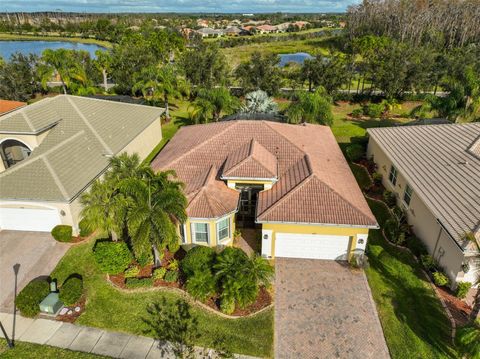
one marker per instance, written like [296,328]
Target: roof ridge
[106,100]
[56,179]
[267,123]
[29,160]
[87,123]
[27,120]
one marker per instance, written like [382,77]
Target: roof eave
[369,226]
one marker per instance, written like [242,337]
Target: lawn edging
[405,249]
[187,297]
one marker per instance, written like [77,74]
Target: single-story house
[289,182]
[435,172]
[209,32]
[55,148]
[266,29]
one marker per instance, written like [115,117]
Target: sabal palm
[158,204]
[104,208]
[212,102]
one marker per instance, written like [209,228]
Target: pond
[298,58]
[7,48]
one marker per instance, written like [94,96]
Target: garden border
[188,297]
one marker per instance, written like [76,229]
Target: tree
[468,340]
[58,62]
[329,72]
[205,66]
[210,104]
[259,102]
[260,73]
[311,107]
[160,82]
[18,77]
[103,63]
[157,206]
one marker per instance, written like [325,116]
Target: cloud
[239,6]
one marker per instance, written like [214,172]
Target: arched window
[13,151]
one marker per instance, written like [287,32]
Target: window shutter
[208,233]
[192,231]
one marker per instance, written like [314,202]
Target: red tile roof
[315,184]
[7,106]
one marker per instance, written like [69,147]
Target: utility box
[51,304]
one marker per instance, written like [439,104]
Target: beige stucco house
[435,172]
[51,152]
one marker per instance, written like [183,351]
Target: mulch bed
[78,239]
[264,299]
[458,308]
[71,318]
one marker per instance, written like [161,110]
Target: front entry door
[248,205]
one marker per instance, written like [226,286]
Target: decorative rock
[63,311]
[69,312]
[77,309]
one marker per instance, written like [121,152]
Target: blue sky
[241,6]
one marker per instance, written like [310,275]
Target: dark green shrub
[440,279]
[198,259]
[201,285]
[355,152]
[416,246]
[389,198]
[159,273]
[139,282]
[373,110]
[71,290]
[357,113]
[428,262]
[85,230]
[145,258]
[29,298]
[171,276]
[462,289]
[131,272]
[112,257]
[394,232]
[377,178]
[62,233]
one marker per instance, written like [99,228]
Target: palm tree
[59,62]
[126,166]
[103,63]
[157,206]
[259,102]
[160,82]
[104,208]
[213,102]
[311,107]
[468,340]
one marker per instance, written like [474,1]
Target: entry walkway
[89,340]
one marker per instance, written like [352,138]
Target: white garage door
[27,219]
[311,246]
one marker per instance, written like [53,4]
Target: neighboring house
[54,149]
[291,181]
[435,172]
[266,29]
[7,106]
[233,31]
[209,32]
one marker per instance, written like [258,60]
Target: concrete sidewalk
[88,339]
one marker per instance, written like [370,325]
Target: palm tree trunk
[114,236]
[156,257]
[104,73]
[167,112]
[63,85]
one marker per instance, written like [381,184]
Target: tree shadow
[372,123]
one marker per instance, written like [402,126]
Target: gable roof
[82,134]
[442,165]
[310,167]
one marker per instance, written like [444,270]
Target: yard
[36,351]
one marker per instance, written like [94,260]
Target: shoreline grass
[31,37]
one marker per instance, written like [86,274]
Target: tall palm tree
[211,103]
[311,107]
[157,205]
[126,166]
[59,62]
[104,208]
[160,83]
[103,63]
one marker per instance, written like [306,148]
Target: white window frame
[229,234]
[194,233]
[393,175]
[405,194]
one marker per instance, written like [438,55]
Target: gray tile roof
[441,164]
[76,149]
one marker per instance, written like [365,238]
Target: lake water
[7,48]
[298,58]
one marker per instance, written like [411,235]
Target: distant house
[233,31]
[301,24]
[53,150]
[266,29]
[202,23]
[434,170]
[8,106]
[209,32]
[283,27]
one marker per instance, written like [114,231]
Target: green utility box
[51,304]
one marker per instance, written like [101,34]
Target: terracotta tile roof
[315,184]
[251,160]
[7,106]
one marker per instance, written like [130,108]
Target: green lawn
[112,309]
[414,322]
[35,351]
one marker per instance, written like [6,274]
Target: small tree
[312,108]
[210,104]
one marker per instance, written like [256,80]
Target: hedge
[62,233]
[71,290]
[29,298]
[112,257]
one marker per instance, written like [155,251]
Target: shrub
[440,279]
[394,232]
[373,110]
[62,233]
[112,257]
[201,285]
[171,276]
[198,259]
[159,273]
[389,198]
[428,262]
[468,340]
[131,272]
[357,113]
[227,305]
[29,298]
[355,152]
[462,289]
[377,178]
[85,230]
[139,282]
[145,258]
[416,246]
[71,290]
[173,265]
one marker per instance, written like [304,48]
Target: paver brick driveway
[323,309]
[36,252]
